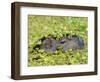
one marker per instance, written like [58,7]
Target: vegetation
[58,26]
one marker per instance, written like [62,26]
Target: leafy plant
[42,26]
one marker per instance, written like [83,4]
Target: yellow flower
[65,28]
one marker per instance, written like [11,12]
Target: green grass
[40,26]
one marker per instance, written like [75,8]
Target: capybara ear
[80,42]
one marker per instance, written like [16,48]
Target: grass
[40,26]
